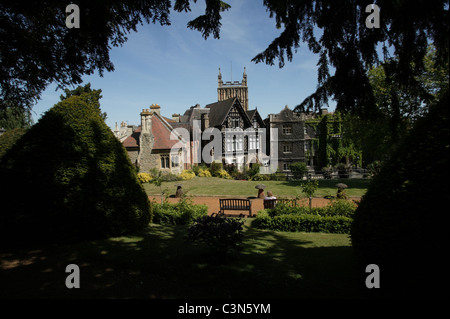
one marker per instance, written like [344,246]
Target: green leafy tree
[158,180]
[378,136]
[9,138]
[336,31]
[69,178]
[299,169]
[14,117]
[309,188]
[38,48]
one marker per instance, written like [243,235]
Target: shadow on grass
[356,183]
[160,263]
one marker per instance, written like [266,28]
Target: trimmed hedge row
[304,222]
[181,213]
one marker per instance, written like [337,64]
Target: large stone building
[239,135]
[154,144]
[295,137]
[240,128]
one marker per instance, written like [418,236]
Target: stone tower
[233,89]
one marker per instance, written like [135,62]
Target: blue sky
[176,67]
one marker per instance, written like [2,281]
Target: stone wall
[146,159]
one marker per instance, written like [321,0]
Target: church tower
[233,89]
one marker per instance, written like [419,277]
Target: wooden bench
[235,204]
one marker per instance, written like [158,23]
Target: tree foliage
[12,117]
[336,31]
[38,48]
[397,108]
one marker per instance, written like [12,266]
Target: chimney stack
[205,121]
[155,108]
[176,117]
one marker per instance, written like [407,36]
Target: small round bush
[187,175]
[204,173]
[224,174]
[144,177]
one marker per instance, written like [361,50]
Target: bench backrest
[235,203]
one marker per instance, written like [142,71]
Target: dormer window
[235,122]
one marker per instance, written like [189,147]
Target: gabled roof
[191,114]
[255,114]
[133,139]
[219,111]
[161,130]
[251,113]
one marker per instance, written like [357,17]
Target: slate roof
[219,111]
[251,113]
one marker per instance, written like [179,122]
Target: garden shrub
[169,177]
[399,223]
[223,174]
[254,170]
[195,169]
[204,173]
[327,172]
[304,223]
[278,176]
[9,138]
[144,177]
[261,177]
[299,169]
[337,207]
[336,217]
[76,180]
[281,209]
[222,235]
[215,168]
[340,207]
[181,213]
[240,175]
[187,175]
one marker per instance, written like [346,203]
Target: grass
[159,263]
[214,186]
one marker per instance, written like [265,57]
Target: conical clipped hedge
[401,223]
[69,178]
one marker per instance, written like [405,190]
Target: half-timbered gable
[240,132]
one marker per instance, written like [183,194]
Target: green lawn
[214,186]
[159,263]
